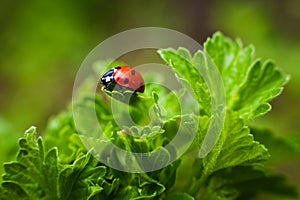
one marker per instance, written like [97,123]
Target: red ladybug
[122,78]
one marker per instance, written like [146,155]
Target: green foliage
[34,174]
[59,166]
[184,66]
[235,147]
[244,182]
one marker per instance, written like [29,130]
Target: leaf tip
[31,130]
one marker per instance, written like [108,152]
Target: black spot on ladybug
[126,81]
[133,72]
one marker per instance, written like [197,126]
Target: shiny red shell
[130,78]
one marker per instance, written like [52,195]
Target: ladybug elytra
[122,78]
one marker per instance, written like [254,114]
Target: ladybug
[123,78]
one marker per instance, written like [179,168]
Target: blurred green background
[42,44]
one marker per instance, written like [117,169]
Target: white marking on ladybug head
[109,78]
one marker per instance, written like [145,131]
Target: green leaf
[232,60]
[166,175]
[13,190]
[245,182]
[32,175]
[50,170]
[249,84]
[69,144]
[235,146]
[138,186]
[188,75]
[264,82]
[81,179]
